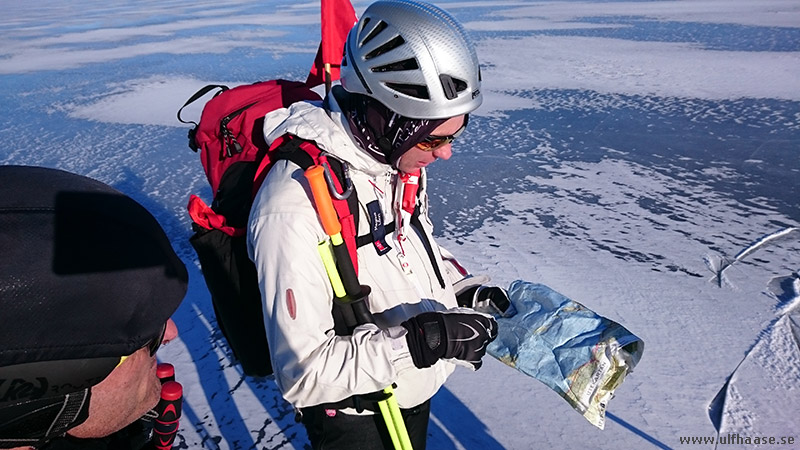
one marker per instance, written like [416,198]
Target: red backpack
[236,159]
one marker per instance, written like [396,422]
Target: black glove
[485,299]
[458,334]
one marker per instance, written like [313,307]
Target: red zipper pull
[410,187]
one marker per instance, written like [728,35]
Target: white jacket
[312,365]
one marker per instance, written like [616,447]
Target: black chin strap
[34,422]
[385,142]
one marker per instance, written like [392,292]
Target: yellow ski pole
[347,289]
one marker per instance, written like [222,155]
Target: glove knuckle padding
[467,335]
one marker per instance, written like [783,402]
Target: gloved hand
[488,299]
[458,334]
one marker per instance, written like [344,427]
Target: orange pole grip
[322,199]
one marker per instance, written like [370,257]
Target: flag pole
[328,77]
[337,18]
[327,14]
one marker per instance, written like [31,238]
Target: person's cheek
[171,332]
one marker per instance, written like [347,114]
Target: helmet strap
[385,142]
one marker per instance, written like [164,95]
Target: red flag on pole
[338,17]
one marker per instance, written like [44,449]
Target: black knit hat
[85,271]
[87,275]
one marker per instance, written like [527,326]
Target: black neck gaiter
[382,133]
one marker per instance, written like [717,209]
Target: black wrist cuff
[497,297]
[466,299]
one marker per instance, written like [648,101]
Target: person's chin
[421,165]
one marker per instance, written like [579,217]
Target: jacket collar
[328,128]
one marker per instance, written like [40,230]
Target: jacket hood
[327,127]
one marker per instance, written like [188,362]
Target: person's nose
[444,152]
[171,332]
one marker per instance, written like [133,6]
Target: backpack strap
[416,223]
[304,154]
[203,91]
[428,244]
[368,239]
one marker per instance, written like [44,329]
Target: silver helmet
[413,57]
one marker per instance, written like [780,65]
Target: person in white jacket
[409,79]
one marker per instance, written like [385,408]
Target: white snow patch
[636,68]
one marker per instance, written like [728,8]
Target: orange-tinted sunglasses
[433,142]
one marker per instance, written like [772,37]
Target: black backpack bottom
[233,283]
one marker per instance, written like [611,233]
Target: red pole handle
[165,427]
[165,372]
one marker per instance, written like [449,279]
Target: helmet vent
[387,47]
[452,86]
[381,25]
[411,90]
[406,64]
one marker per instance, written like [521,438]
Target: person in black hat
[88,282]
